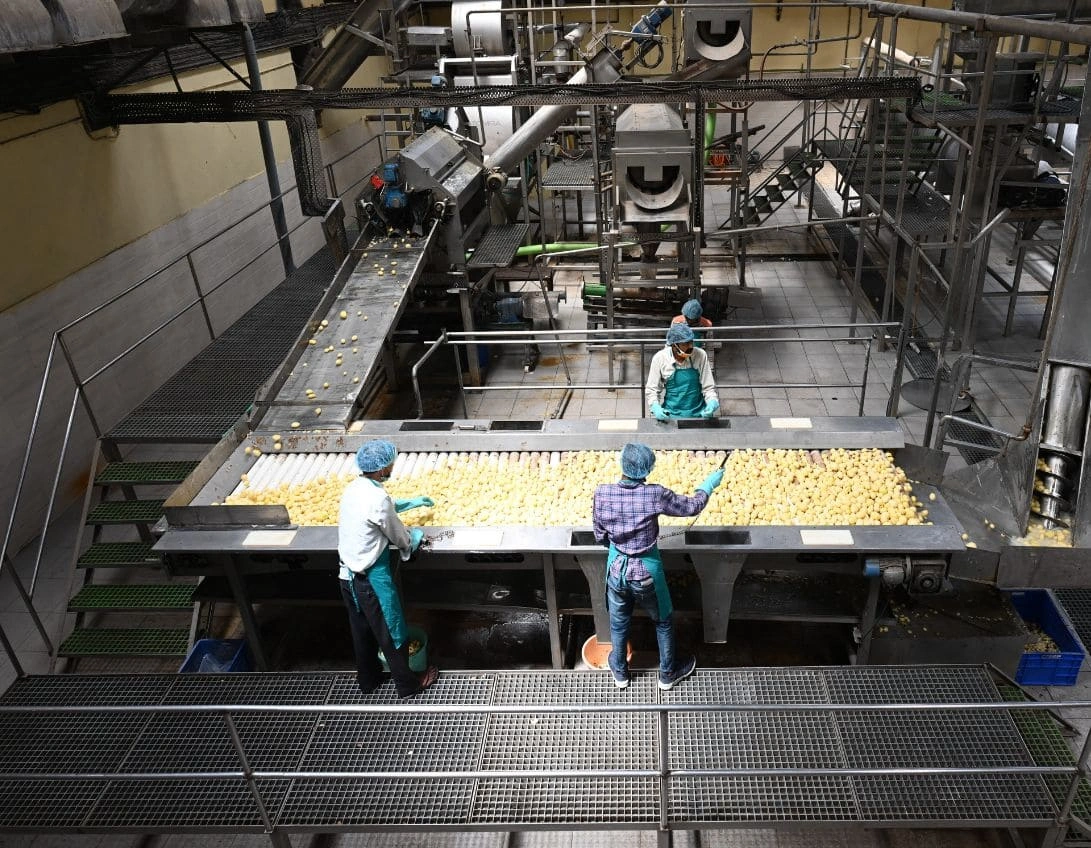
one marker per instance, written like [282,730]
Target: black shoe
[680,672]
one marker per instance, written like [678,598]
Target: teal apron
[683,397]
[381,579]
[654,563]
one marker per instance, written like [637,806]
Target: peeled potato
[544,489]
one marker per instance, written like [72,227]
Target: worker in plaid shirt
[626,517]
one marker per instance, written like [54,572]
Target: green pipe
[710,132]
[554,247]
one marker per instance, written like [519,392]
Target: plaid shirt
[628,516]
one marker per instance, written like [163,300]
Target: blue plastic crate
[1038,606]
[215,656]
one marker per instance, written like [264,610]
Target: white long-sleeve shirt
[663,367]
[367,525]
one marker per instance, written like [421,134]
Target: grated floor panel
[580,801]
[201,741]
[406,803]
[1077,604]
[954,798]
[418,742]
[27,804]
[183,805]
[250,688]
[563,741]
[762,799]
[413,740]
[755,740]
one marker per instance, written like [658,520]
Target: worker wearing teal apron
[680,382]
[626,518]
[368,526]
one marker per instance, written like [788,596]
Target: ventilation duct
[145,15]
[25,25]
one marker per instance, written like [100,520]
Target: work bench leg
[718,573]
[666,839]
[553,619]
[867,621]
[280,839]
[594,569]
[246,613]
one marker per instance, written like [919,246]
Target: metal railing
[81,383]
[267,796]
[642,338]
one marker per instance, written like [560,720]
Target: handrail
[643,338]
[80,384]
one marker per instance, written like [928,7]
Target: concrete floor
[791,292]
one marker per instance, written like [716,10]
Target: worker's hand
[413,503]
[659,412]
[711,408]
[416,536]
[709,484]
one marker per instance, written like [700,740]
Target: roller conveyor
[205,537]
[464,744]
[321,383]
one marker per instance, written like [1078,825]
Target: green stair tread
[125,642]
[141,596]
[167,471]
[126,512]
[118,554]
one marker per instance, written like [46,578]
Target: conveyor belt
[38,744]
[209,394]
[323,379]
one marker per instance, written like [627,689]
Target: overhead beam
[206,106]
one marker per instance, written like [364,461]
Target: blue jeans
[621,597]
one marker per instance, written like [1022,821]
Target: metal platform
[572,174]
[209,394]
[521,750]
[498,246]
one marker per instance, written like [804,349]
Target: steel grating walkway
[209,394]
[527,770]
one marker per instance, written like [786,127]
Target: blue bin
[216,656]
[1060,668]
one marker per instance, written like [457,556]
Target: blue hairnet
[636,461]
[375,455]
[691,310]
[679,334]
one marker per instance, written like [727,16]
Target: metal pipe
[1004,24]
[268,154]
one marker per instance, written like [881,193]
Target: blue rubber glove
[710,408]
[416,536]
[413,503]
[708,486]
[659,412]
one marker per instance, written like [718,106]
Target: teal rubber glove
[416,536]
[710,408]
[413,503]
[709,484]
[659,412]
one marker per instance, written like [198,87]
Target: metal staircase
[792,176]
[107,565]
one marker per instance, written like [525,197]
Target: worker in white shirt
[680,382]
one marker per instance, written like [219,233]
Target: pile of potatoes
[542,489]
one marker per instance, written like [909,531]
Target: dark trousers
[370,634]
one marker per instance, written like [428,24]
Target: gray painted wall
[27,329]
